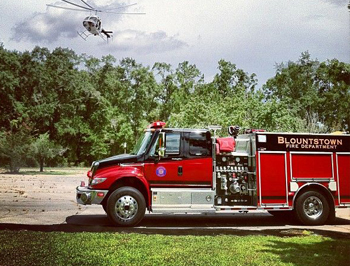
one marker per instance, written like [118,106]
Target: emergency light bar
[253,130]
[158,124]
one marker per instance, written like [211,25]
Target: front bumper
[87,196]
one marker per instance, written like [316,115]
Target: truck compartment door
[343,171]
[272,182]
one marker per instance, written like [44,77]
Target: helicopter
[93,23]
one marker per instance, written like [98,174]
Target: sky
[253,34]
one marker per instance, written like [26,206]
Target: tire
[104,206]
[126,206]
[331,217]
[312,208]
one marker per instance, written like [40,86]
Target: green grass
[98,249]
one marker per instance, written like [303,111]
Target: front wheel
[126,206]
[104,206]
[312,208]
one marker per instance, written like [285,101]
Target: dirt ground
[49,199]
[39,199]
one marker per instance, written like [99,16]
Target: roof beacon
[158,124]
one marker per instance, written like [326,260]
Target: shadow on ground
[310,253]
[237,224]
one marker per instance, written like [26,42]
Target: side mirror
[161,152]
[161,145]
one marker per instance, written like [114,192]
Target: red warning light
[157,124]
[89,174]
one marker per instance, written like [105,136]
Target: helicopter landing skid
[109,34]
[83,35]
[106,40]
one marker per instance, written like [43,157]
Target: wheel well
[128,182]
[321,189]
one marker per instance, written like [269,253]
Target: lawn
[98,249]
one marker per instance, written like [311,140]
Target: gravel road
[47,202]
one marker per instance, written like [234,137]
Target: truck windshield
[142,143]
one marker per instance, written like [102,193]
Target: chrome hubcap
[126,208]
[313,207]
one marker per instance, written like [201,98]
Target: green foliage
[56,248]
[320,92]
[14,147]
[92,106]
[43,149]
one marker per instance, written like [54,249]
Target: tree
[333,82]
[231,81]
[93,106]
[141,95]
[167,88]
[43,149]
[319,91]
[14,147]
[11,104]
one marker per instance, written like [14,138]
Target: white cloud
[144,43]
[46,27]
[337,2]
[55,23]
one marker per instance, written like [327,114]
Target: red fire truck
[175,170]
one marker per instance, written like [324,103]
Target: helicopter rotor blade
[84,7]
[119,7]
[88,10]
[68,8]
[121,13]
[87,4]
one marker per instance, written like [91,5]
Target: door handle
[176,159]
[179,171]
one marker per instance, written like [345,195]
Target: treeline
[60,108]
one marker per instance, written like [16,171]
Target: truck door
[165,170]
[272,175]
[198,163]
[186,162]
[343,170]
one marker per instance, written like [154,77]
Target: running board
[192,200]
[181,209]
[182,200]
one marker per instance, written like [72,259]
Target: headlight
[97,180]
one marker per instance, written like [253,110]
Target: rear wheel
[126,206]
[312,208]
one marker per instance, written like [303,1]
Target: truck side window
[199,145]
[172,143]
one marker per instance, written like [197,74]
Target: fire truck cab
[175,170]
